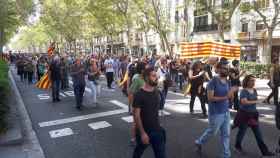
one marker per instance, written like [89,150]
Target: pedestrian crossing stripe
[61,132]
[99,125]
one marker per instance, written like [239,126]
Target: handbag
[187,89]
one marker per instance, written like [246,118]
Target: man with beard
[219,92]
[146,106]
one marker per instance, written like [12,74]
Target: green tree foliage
[13,13]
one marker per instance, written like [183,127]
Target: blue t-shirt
[250,96]
[220,90]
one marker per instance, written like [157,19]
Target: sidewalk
[20,140]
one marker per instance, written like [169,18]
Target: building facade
[191,22]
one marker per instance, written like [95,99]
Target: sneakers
[239,150]
[198,147]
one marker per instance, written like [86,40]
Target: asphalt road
[104,131]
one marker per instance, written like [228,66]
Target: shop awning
[209,49]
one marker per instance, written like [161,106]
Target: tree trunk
[166,44]
[75,47]
[269,47]
[147,43]
[221,32]
[1,40]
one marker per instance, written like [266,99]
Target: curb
[26,122]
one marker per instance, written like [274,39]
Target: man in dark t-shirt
[146,106]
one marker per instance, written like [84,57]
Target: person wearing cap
[219,92]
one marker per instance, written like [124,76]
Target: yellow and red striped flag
[51,49]
[44,82]
[208,49]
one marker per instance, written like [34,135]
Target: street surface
[104,131]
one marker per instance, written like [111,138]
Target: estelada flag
[51,49]
[44,82]
[209,49]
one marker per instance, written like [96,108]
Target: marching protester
[164,81]
[64,74]
[145,110]
[274,83]
[55,77]
[219,92]
[197,76]
[108,63]
[93,77]
[20,68]
[234,77]
[78,76]
[248,116]
[136,84]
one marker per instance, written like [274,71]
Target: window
[245,27]
[260,26]
[201,20]
[263,3]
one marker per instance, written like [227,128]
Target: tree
[222,12]
[13,14]
[108,21]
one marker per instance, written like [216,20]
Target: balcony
[256,35]
[203,28]
[243,36]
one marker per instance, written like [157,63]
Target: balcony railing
[243,36]
[202,28]
[256,35]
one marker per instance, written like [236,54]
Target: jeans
[157,140]
[110,78]
[55,89]
[218,122]
[79,90]
[258,135]
[163,95]
[94,91]
[30,77]
[181,81]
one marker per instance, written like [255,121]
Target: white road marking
[81,118]
[63,95]
[69,93]
[128,119]
[119,104]
[43,96]
[99,125]
[61,132]
[179,94]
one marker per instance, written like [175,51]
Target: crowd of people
[146,82]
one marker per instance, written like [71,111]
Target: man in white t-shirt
[109,71]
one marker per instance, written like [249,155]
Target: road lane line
[61,132]
[128,119]
[81,118]
[99,125]
[119,104]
